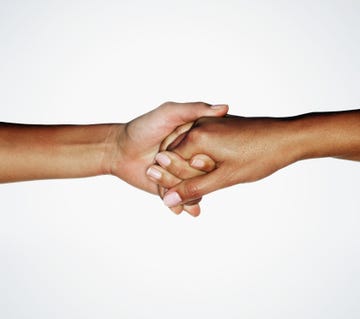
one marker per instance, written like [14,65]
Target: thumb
[193,188]
[181,113]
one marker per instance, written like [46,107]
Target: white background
[284,247]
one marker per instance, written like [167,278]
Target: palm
[142,143]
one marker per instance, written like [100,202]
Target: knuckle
[195,135]
[177,170]
[162,181]
[167,180]
[166,104]
[171,181]
[192,191]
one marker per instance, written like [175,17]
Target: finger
[166,180]
[205,162]
[182,113]
[177,209]
[193,202]
[196,187]
[178,133]
[202,162]
[193,210]
[177,166]
[193,207]
[160,176]
[162,191]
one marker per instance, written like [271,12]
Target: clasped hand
[219,152]
[180,150]
[215,153]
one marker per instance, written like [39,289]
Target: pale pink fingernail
[163,159]
[197,163]
[153,172]
[217,106]
[172,199]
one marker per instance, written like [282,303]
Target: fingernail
[198,163]
[217,106]
[153,172]
[163,159]
[172,199]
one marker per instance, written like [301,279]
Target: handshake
[181,151]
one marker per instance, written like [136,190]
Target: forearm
[29,152]
[333,134]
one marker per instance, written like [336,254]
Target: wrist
[301,132]
[111,148]
[289,145]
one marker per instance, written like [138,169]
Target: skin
[32,152]
[249,149]
[185,171]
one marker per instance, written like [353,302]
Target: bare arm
[332,134]
[249,149]
[29,152]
